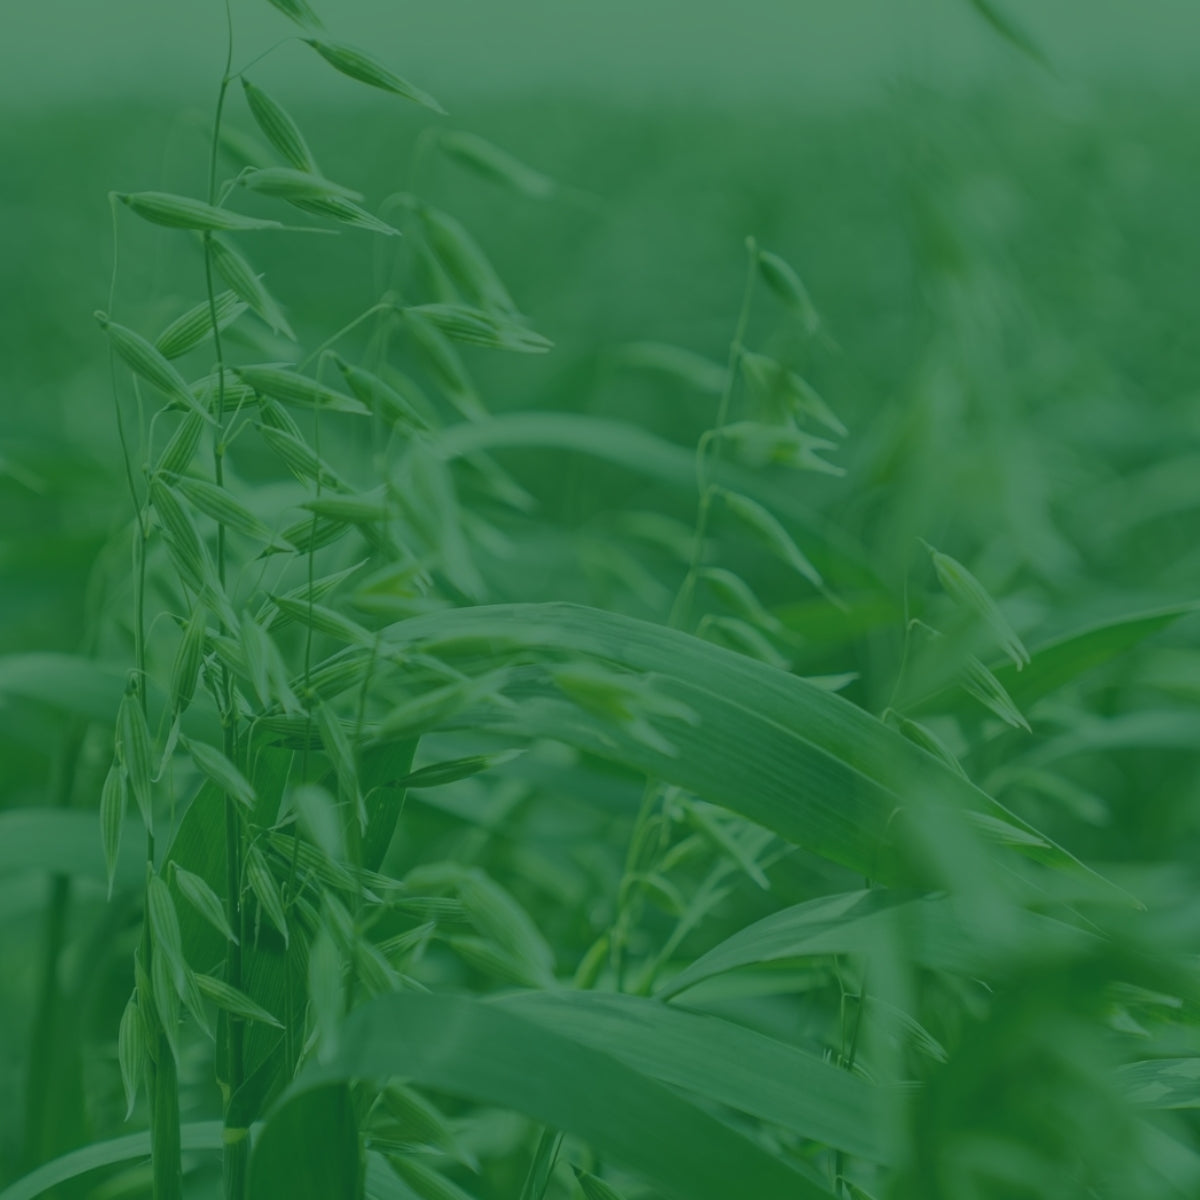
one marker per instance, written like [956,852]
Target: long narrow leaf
[481,1052]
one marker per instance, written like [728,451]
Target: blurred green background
[892,150]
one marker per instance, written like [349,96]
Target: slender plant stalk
[161,1076]
[681,610]
[236,1140]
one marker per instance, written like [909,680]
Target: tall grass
[774,830]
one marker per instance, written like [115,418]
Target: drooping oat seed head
[356,65]
[279,129]
[967,591]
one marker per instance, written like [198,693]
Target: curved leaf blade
[481,1052]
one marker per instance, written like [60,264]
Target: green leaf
[797,759]
[1064,659]
[308,1149]
[198,1137]
[936,934]
[722,1062]
[480,1051]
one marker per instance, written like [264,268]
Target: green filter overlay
[599,602]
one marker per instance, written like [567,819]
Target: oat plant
[692,850]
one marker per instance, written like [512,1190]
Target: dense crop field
[564,651]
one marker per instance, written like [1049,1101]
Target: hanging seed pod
[222,772]
[137,755]
[187,550]
[294,186]
[280,130]
[782,279]
[498,166]
[216,502]
[356,65]
[266,890]
[293,388]
[771,533]
[182,212]
[132,1056]
[149,364]
[233,267]
[112,819]
[204,900]
[189,330]
[966,590]
[185,671]
[298,11]
[164,928]
[225,996]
